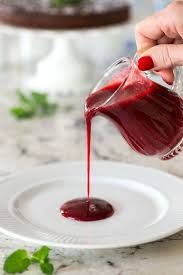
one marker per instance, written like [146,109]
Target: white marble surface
[43,141]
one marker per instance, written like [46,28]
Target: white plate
[148,205]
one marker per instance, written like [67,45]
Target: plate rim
[35,242]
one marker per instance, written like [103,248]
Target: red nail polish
[145,63]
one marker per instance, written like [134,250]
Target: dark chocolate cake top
[48,14]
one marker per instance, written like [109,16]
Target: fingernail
[145,63]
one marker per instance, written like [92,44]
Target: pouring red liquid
[148,116]
[87,209]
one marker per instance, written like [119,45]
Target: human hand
[160,41]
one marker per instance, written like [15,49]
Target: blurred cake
[49,14]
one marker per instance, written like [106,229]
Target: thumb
[163,56]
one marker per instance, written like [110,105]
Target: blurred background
[64,63]
[67,61]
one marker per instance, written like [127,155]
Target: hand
[160,37]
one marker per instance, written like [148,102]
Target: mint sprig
[41,255]
[20,260]
[17,262]
[60,3]
[35,104]
[47,267]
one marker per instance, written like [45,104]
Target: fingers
[166,23]
[148,32]
[167,75]
[178,41]
[165,56]
[165,40]
[160,41]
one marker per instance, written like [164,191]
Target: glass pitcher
[147,111]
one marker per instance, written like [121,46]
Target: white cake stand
[66,60]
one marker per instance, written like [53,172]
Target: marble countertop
[62,137]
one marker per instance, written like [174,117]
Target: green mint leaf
[50,109]
[47,268]
[40,255]
[17,262]
[39,98]
[60,3]
[21,113]
[24,99]
[36,104]
[44,107]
